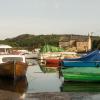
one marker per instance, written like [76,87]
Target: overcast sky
[49,16]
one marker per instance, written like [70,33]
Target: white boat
[57,55]
[30,55]
[5,49]
[11,65]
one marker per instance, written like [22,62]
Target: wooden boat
[92,59]
[84,74]
[13,66]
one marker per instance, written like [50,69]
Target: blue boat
[92,59]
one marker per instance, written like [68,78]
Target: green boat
[84,74]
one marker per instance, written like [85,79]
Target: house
[78,43]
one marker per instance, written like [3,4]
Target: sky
[49,16]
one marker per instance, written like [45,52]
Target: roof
[78,38]
[5,46]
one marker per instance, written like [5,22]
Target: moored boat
[92,59]
[81,63]
[84,74]
[53,62]
[49,51]
[13,66]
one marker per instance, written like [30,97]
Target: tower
[89,41]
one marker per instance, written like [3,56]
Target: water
[48,85]
[38,81]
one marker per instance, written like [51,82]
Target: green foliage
[96,44]
[31,41]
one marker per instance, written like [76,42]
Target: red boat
[53,62]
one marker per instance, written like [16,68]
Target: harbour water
[39,85]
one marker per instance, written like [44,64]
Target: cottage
[76,43]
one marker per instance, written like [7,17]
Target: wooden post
[14,69]
[14,72]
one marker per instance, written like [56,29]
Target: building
[76,43]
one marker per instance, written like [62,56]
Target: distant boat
[5,49]
[13,66]
[92,59]
[31,55]
[28,54]
[49,51]
[84,74]
[52,55]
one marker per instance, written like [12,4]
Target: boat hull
[92,59]
[53,62]
[80,63]
[13,69]
[88,74]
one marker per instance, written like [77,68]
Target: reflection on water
[80,87]
[52,65]
[36,81]
[19,86]
[13,90]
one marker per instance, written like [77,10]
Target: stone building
[76,43]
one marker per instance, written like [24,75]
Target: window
[6,59]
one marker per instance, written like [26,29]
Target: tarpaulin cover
[50,48]
[93,56]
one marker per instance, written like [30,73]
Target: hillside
[35,41]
